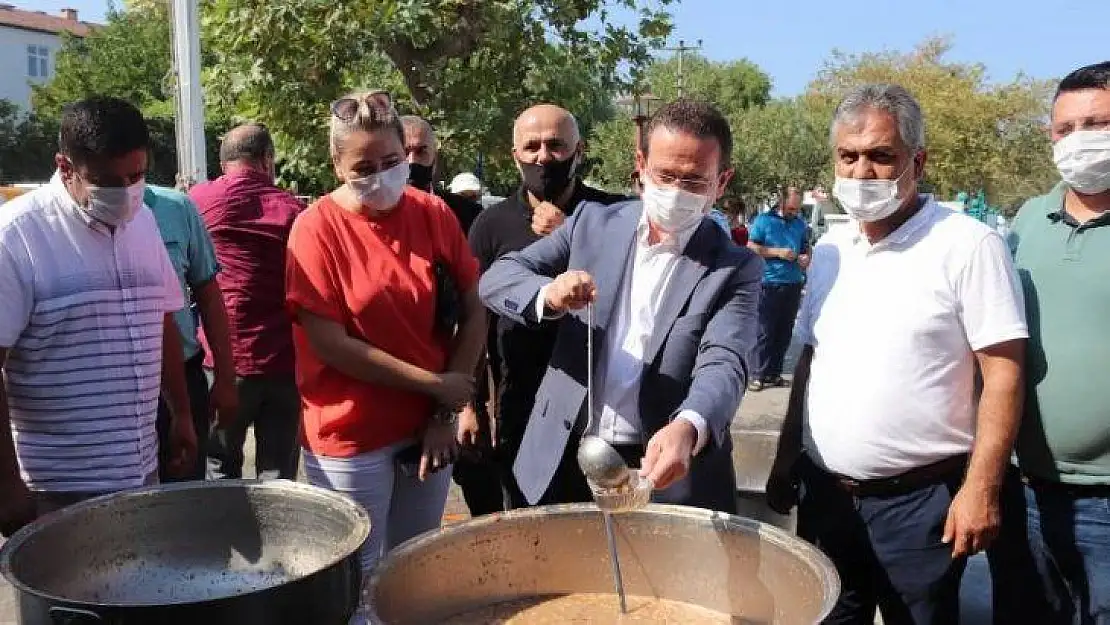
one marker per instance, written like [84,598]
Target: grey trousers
[272,405]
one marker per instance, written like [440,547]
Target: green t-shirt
[1065,274]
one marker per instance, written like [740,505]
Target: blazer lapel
[690,266]
[616,254]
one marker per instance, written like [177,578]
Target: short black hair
[250,143]
[696,118]
[101,128]
[1095,76]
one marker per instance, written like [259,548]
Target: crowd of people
[395,334]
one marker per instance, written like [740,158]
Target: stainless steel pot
[726,563]
[236,552]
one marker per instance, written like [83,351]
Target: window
[38,62]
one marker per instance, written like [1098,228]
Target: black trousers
[478,473]
[778,307]
[887,550]
[197,386]
[272,404]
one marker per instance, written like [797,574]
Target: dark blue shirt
[771,229]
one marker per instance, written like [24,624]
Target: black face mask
[548,181]
[420,176]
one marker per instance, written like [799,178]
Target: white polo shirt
[81,314]
[894,328]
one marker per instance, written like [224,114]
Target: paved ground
[759,412]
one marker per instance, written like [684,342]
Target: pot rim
[347,546]
[818,561]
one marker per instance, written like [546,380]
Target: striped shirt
[81,315]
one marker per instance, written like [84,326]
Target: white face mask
[869,200]
[673,210]
[115,206]
[381,191]
[1083,158]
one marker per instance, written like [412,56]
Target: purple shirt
[249,219]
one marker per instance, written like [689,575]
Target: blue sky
[791,39]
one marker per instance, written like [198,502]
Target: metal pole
[681,51]
[614,560]
[681,54]
[189,124]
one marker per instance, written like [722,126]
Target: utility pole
[681,51]
[188,96]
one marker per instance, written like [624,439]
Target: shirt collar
[248,173]
[1057,212]
[912,225]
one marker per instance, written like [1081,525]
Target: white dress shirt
[621,364]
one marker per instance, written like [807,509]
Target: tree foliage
[979,134]
[130,57]
[732,86]
[27,144]
[611,154]
[782,143]
[468,65]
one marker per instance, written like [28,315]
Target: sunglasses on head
[345,109]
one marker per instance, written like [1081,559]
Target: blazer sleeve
[510,286]
[724,359]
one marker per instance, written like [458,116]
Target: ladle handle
[73,616]
[614,559]
[589,369]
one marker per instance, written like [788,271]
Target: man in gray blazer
[675,318]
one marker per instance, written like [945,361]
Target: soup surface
[592,608]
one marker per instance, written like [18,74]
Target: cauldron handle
[73,616]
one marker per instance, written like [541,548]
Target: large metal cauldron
[234,552]
[754,572]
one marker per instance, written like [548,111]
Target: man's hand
[183,445]
[570,291]
[669,453]
[546,218]
[803,261]
[439,449]
[467,432]
[782,487]
[973,520]
[453,390]
[224,397]
[17,507]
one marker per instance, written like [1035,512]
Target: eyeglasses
[346,109]
[698,186]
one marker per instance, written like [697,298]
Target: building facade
[29,44]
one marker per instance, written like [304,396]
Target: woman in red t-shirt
[382,369]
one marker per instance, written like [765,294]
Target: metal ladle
[598,460]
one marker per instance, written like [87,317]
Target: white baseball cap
[465,181]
